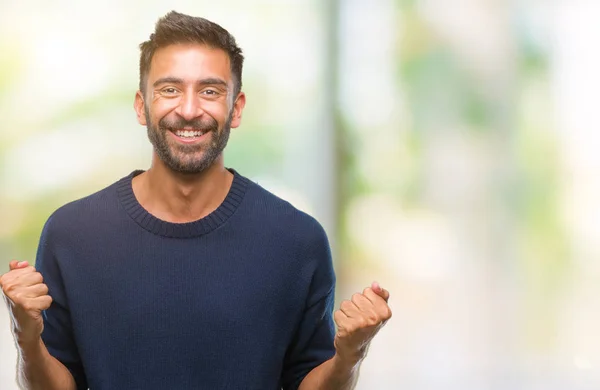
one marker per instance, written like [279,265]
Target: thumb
[383,293]
[17,264]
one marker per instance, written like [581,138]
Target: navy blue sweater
[241,299]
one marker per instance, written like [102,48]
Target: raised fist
[26,296]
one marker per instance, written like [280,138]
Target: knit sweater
[240,299]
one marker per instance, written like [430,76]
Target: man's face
[188,106]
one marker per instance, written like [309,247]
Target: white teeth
[188,133]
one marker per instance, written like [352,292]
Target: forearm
[334,374]
[38,370]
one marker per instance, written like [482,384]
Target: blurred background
[447,146]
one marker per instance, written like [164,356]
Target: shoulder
[273,212]
[75,216]
[300,235]
[281,226]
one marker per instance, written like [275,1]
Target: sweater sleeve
[313,342]
[58,331]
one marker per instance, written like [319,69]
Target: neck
[179,198]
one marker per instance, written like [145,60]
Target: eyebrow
[201,82]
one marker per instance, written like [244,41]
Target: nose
[189,106]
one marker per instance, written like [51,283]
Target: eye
[169,92]
[210,92]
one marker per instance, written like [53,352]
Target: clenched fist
[359,320]
[26,296]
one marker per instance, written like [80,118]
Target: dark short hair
[175,28]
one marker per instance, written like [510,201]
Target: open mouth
[188,135]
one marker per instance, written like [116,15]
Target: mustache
[194,124]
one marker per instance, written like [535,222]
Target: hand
[26,296]
[359,320]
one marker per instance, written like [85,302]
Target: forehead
[189,62]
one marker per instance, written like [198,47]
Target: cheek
[213,108]
[158,112]
[162,106]
[220,112]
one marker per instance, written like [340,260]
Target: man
[187,275]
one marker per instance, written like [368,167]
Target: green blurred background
[447,146]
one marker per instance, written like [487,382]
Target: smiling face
[188,106]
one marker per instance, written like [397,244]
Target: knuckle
[362,322]
[339,319]
[356,297]
[388,313]
[9,288]
[345,304]
[372,320]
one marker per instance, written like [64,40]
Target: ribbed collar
[181,230]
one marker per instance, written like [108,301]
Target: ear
[138,105]
[238,107]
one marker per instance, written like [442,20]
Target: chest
[187,290]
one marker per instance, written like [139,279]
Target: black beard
[180,157]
